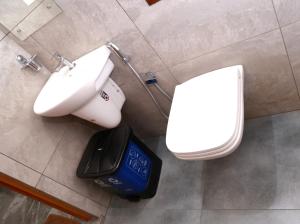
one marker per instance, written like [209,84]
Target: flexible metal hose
[162,91]
[125,60]
[148,90]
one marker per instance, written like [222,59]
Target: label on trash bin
[138,162]
[133,172]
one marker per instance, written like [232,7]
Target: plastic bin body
[133,173]
[118,160]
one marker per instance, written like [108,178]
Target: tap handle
[62,62]
[22,60]
[31,62]
[58,56]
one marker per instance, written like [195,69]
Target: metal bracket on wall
[31,62]
[151,2]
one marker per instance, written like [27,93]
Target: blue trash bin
[118,160]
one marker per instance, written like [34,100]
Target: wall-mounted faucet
[63,62]
[31,63]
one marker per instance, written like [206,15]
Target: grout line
[40,45]
[205,53]
[5,35]
[203,179]
[226,46]
[271,115]
[36,171]
[31,11]
[39,180]
[20,163]
[145,39]
[108,206]
[62,184]
[286,51]
[55,149]
[291,23]
[45,175]
[254,209]
[214,209]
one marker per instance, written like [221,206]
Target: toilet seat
[217,154]
[207,115]
[222,151]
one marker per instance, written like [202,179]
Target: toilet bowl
[207,115]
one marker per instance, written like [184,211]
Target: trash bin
[117,159]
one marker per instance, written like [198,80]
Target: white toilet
[207,115]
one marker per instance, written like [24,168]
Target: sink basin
[80,91]
[66,90]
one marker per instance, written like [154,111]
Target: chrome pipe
[125,60]
[162,91]
[148,90]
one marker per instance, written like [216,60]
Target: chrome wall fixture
[30,63]
[149,78]
[63,62]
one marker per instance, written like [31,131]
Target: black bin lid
[104,152]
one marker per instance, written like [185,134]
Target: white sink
[68,91]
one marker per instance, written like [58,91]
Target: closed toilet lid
[205,111]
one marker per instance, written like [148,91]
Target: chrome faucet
[30,63]
[63,62]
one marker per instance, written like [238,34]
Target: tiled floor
[178,200]
[259,183]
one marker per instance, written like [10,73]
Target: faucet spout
[63,62]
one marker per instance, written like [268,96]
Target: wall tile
[85,33]
[13,12]
[291,36]
[23,133]
[34,48]
[287,11]
[89,25]
[269,82]
[139,110]
[18,171]
[182,30]
[141,55]
[40,16]
[59,191]
[63,164]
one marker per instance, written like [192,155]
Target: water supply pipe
[125,60]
